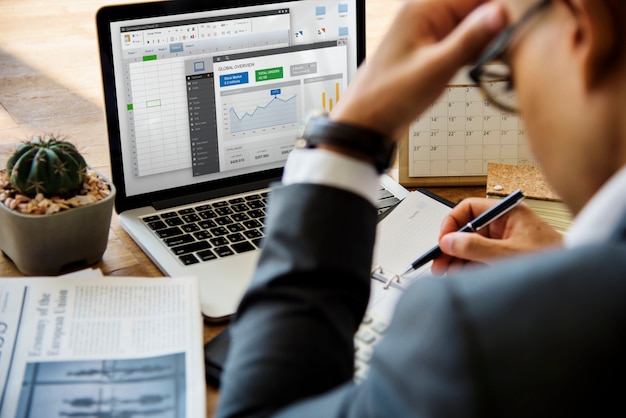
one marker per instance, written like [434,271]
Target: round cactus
[46,165]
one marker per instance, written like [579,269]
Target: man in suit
[538,331]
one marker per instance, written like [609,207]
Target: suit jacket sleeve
[292,335]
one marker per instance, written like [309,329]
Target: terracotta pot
[42,245]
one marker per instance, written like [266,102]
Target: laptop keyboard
[221,229]
[386,201]
[212,230]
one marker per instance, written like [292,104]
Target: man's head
[569,71]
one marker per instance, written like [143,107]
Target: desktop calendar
[460,133]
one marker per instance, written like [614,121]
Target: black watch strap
[321,130]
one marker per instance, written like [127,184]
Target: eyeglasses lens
[497,81]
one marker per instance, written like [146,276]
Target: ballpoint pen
[475,225]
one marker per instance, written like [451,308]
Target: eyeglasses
[496,81]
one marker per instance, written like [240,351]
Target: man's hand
[520,230]
[429,41]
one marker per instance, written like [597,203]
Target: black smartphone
[215,352]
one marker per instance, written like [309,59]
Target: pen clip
[506,205]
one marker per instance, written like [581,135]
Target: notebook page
[410,230]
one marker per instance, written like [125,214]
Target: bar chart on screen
[323,92]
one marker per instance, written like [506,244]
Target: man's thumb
[466,42]
[468,246]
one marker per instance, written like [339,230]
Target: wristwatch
[319,129]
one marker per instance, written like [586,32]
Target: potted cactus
[55,211]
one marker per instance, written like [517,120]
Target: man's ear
[597,37]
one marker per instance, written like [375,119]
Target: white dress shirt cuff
[318,166]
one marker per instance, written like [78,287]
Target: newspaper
[101,347]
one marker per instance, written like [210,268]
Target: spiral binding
[393,281]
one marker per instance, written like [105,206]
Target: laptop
[203,101]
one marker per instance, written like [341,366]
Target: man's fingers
[467,41]
[470,246]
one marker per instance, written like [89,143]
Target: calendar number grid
[461,132]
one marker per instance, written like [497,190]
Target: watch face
[301,140]
[313,114]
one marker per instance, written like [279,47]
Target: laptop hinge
[212,194]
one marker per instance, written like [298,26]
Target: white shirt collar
[599,218]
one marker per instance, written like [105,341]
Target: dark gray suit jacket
[538,336]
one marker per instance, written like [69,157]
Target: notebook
[203,101]
[409,231]
[406,233]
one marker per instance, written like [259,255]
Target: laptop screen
[198,99]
